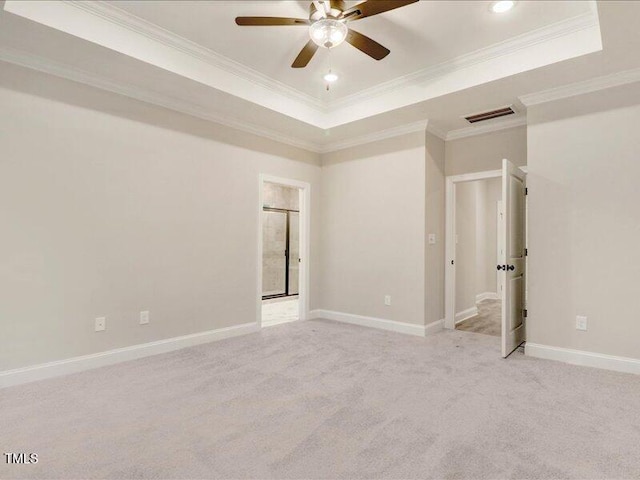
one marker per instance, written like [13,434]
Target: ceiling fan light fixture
[328,32]
[502,6]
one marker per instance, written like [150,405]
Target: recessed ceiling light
[331,77]
[502,6]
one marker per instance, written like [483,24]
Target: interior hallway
[319,399]
[488,321]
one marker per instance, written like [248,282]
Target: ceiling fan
[328,26]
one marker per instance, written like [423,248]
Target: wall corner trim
[382,324]
[583,358]
[87,362]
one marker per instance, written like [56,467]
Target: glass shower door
[274,247]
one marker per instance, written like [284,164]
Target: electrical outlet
[144,317]
[101,324]
[432,238]
[581,323]
[387,299]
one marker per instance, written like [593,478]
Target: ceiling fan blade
[367,45]
[305,55]
[270,21]
[369,8]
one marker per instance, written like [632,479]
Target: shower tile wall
[274,240]
[278,196]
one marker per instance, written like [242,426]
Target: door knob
[502,267]
[511,267]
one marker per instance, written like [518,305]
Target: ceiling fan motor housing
[336,8]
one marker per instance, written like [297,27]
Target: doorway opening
[283,250]
[485,271]
[477,302]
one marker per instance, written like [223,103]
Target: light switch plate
[581,323]
[144,317]
[387,299]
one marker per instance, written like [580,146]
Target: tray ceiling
[448,58]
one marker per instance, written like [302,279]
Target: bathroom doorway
[282,254]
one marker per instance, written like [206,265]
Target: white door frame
[305,236]
[499,247]
[450,243]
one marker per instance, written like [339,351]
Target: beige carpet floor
[319,399]
[488,321]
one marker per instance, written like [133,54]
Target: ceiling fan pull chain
[327,82]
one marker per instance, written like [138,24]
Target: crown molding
[580,88]
[115,15]
[71,73]
[375,136]
[61,70]
[488,128]
[559,29]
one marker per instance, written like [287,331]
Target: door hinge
[525,313]
[526,191]
[526,252]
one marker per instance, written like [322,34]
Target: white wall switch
[581,323]
[432,238]
[144,317]
[101,324]
[387,299]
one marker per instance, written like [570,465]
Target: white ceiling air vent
[498,112]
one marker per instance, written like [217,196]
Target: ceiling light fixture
[328,32]
[330,77]
[502,6]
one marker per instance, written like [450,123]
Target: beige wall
[465,246]
[435,218]
[488,192]
[485,152]
[110,206]
[584,222]
[373,229]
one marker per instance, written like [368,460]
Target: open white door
[512,262]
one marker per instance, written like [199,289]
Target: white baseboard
[87,362]
[466,314]
[372,322]
[580,357]
[486,296]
